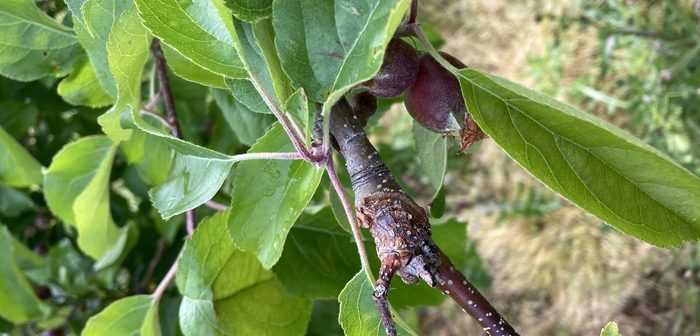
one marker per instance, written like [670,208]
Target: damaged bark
[401,229]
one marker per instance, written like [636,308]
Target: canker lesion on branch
[401,229]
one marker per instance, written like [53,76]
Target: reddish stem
[414,12]
[453,283]
[164,90]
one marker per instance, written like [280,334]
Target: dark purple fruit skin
[435,98]
[398,71]
[363,106]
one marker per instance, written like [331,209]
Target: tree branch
[155,260]
[165,93]
[401,228]
[167,279]
[453,283]
[216,205]
[164,90]
[190,221]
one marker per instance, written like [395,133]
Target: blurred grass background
[555,270]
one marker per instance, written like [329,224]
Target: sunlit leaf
[327,47]
[255,43]
[133,315]
[273,192]
[18,303]
[200,30]
[193,180]
[358,314]
[300,113]
[151,156]
[127,49]
[93,22]
[610,329]
[250,10]
[602,169]
[76,188]
[17,168]
[33,44]
[227,292]
[81,87]
[185,68]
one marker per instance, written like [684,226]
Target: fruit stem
[418,32]
[413,13]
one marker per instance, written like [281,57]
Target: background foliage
[90,224]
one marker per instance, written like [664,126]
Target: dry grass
[565,273]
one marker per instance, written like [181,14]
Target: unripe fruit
[398,71]
[435,98]
[363,106]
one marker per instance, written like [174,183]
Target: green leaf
[358,314]
[133,315]
[93,21]
[610,329]
[17,168]
[34,45]
[250,10]
[151,156]
[339,210]
[196,175]
[17,117]
[18,303]
[273,192]
[246,124]
[298,109]
[76,188]
[432,154]
[81,87]
[128,50]
[437,204]
[185,68]
[326,47]
[200,30]
[75,8]
[255,43]
[244,92]
[34,267]
[13,202]
[227,292]
[324,318]
[602,169]
[319,257]
[193,180]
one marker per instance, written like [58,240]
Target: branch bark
[164,90]
[401,229]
